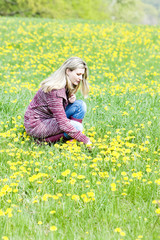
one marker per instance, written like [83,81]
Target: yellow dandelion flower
[72,181]
[90,194]
[123,173]
[59,181]
[80,176]
[122,234]
[74,174]
[75,197]
[123,194]
[158,211]
[113,185]
[5,238]
[66,172]
[52,212]
[1,213]
[117,230]
[53,228]
[55,197]
[98,182]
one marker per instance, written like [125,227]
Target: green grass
[109,192]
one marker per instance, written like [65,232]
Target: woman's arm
[55,104]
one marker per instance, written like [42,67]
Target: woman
[54,112]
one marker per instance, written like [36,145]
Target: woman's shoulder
[59,93]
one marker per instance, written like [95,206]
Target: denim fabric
[76,110]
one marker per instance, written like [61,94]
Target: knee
[77,125]
[82,106]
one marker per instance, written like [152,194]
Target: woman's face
[75,76]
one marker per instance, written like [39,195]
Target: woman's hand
[89,145]
[72,99]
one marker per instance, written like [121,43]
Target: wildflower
[148,170]
[123,173]
[80,176]
[55,197]
[122,234]
[117,230]
[158,211]
[90,194]
[5,238]
[98,182]
[72,181]
[75,197]
[157,181]
[66,172]
[53,228]
[123,194]
[52,212]
[1,213]
[59,181]
[74,174]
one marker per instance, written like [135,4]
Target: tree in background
[43,8]
[132,11]
[85,9]
[126,10]
[155,9]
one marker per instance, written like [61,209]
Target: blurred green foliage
[86,9]
[132,11]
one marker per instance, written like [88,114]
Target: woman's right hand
[72,99]
[89,145]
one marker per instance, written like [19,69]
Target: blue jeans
[76,110]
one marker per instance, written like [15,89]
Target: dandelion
[74,174]
[72,181]
[148,170]
[122,234]
[75,197]
[53,228]
[158,211]
[5,238]
[123,173]
[90,194]
[98,182]
[1,213]
[65,173]
[80,176]
[52,212]
[117,230]
[124,194]
[59,181]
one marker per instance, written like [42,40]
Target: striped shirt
[45,116]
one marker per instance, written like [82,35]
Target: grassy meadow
[65,191]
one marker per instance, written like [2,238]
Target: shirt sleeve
[55,105]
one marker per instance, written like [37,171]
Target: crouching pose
[54,112]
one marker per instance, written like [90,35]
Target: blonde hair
[59,79]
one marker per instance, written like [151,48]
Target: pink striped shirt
[45,116]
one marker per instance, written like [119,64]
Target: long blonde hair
[59,79]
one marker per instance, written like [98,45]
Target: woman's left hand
[72,99]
